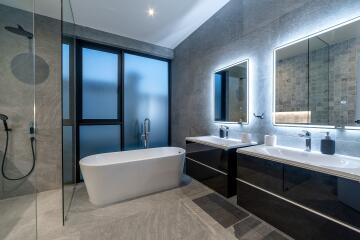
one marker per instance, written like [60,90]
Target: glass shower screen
[146,92]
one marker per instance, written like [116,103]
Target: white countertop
[223,143]
[337,165]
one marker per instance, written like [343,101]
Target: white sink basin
[339,165]
[224,143]
[312,157]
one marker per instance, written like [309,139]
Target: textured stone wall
[247,29]
[25,84]
[48,105]
[16,101]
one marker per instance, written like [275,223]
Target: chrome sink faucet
[307,135]
[146,132]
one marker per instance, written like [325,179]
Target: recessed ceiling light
[151,12]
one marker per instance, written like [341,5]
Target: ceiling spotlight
[151,12]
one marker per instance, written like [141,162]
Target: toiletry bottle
[221,132]
[328,145]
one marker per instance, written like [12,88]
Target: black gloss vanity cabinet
[214,167]
[298,201]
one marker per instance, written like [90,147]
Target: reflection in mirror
[316,79]
[231,93]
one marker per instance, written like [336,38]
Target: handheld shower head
[4,118]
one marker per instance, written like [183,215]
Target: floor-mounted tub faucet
[146,134]
[307,135]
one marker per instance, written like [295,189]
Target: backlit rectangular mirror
[317,79]
[231,93]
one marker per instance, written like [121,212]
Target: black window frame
[95,46]
[79,45]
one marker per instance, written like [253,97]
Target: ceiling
[173,22]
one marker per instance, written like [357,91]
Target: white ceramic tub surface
[117,176]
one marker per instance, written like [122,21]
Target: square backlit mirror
[231,93]
[317,79]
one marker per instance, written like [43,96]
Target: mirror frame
[247,92]
[344,125]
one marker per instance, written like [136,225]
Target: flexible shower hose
[32,140]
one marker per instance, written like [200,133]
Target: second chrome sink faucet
[307,135]
[146,132]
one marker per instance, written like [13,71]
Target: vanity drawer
[260,172]
[333,196]
[214,157]
[295,221]
[214,179]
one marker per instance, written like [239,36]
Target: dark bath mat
[243,227]
[222,211]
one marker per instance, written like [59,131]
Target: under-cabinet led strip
[207,166]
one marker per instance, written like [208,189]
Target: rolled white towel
[270,140]
[245,137]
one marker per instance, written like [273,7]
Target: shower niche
[316,79]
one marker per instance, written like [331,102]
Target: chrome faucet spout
[227,132]
[307,135]
[146,132]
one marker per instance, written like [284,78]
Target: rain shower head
[22,65]
[20,31]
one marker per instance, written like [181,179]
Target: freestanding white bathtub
[117,176]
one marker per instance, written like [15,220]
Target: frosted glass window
[66,80]
[146,96]
[100,84]
[99,139]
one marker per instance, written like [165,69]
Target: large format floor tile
[189,212]
[18,218]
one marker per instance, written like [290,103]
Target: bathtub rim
[181,151]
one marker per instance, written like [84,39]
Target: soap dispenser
[223,131]
[327,145]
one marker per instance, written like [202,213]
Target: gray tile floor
[189,212]
[18,218]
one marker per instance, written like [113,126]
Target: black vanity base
[214,167]
[290,218]
[218,181]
